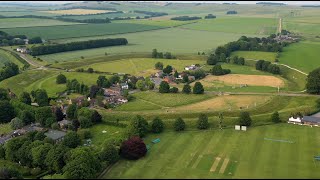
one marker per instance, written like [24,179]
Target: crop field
[236,79]
[238,69]
[104,16]
[174,40]
[82,30]
[261,26]
[165,23]
[141,66]
[303,56]
[228,153]
[30,22]
[7,57]
[255,55]
[77,11]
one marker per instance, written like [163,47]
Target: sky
[238,2]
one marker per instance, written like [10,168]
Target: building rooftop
[311,119]
[54,134]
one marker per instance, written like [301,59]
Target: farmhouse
[112,91]
[124,85]
[306,120]
[23,50]
[156,81]
[192,67]
[169,79]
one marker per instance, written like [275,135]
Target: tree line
[152,14]
[210,16]
[8,70]
[161,55]
[11,40]
[263,65]
[50,49]
[185,18]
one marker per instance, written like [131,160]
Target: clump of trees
[238,60]
[210,16]
[245,119]
[8,70]
[152,14]
[161,55]
[61,79]
[263,65]
[218,71]
[35,40]
[159,65]
[232,12]
[275,117]
[74,86]
[50,49]
[185,18]
[313,79]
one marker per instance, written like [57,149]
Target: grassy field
[141,66]
[60,32]
[262,26]
[165,23]
[7,57]
[237,69]
[174,40]
[77,11]
[103,16]
[30,22]
[193,154]
[303,56]
[256,55]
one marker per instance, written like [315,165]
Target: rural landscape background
[106,89]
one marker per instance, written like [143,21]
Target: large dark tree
[133,148]
[71,140]
[245,119]
[157,125]
[4,94]
[164,87]
[96,117]
[71,111]
[179,124]
[55,158]
[61,79]
[41,97]
[275,117]
[186,89]
[167,69]
[159,65]
[59,114]
[42,114]
[138,127]
[203,122]
[25,98]
[313,82]
[109,153]
[198,88]
[6,111]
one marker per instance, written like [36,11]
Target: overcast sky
[239,2]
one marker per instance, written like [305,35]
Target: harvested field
[77,11]
[254,80]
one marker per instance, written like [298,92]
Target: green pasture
[30,22]
[104,16]
[141,66]
[174,40]
[191,154]
[238,69]
[255,55]
[165,23]
[7,57]
[261,26]
[81,30]
[302,28]
[303,56]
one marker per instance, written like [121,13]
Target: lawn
[238,69]
[303,56]
[77,11]
[261,26]
[5,56]
[174,40]
[245,154]
[165,23]
[82,30]
[141,66]
[255,55]
[30,22]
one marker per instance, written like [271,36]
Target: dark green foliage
[71,111]
[245,119]
[179,124]
[59,114]
[2,152]
[9,173]
[138,127]
[96,117]
[35,40]
[210,16]
[42,113]
[174,90]
[75,86]
[238,60]
[84,133]
[186,89]
[198,88]
[6,111]
[232,12]
[90,70]
[158,65]
[55,158]
[56,48]
[25,98]
[50,121]
[164,87]
[267,66]
[8,70]
[4,94]
[41,97]
[198,74]
[185,18]
[275,117]
[16,123]
[84,122]
[212,59]
[185,78]
[27,117]
[203,122]
[218,71]
[61,79]
[167,69]
[71,140]
[114,79]
[39,136]
[133,148]
[151,14]
[157,125]
[313,82]
[12,147]
[103,82]
[39,154]
[109,153]
[176,74]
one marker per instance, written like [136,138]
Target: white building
[192,67]
[22,49]
[124,86]
[295,120]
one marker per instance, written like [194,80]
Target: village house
[305,120]
[23,50]
[124,85]
[113,96]
[156,81]
[169,79]
[192,67]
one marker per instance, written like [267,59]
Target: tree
[186,89]
[71,111]
[61,79]
[12,147]
[35,40]
[164,87]
[55,160]
[174,90]
[140,85]
[25,98]
[198,88]
[114,79]
[27,117]
[159,65]
[96,117]
[157,125]
[313,79]
[2,152]
[179,124]
[217,70]
[275,117]
[203,122]
[103,82]
[39,154]
[90,70]
[71,140]
[94,90]
[9,173]
[39,136]
[49,121]
[245,119]
[185,78]
[84,122]
[59,114]
[6,111]
[42,113]
[81,163]
[212,59]
[16,123]
[4,94]
[154,53]
[167,69]
[133,148]
[109,153]
[176,74]
[259,64]
[41,97]
[138,127]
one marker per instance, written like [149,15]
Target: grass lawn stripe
[224,165]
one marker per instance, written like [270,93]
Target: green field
[7,57]
[103,16]
[141,66]
[192,154]
[303,56]
[261,26]
[237,69]
[60,32]
[174,40]
[165,23]
[30,22]
[255,55]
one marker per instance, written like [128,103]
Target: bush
[71,140]
[174,90]
[109,153]
[186,89]
[179,124]
[198,88]
[84,133]
[203,122]
[133,148]
[61,79]
[157,125]
[84,122]
[164,87]
[275,117]
[245,119]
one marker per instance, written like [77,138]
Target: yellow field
[226,102]
[255,80]
[77,11]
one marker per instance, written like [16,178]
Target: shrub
[61,79]
[198,88]
[157,125]
[174,90]
[179,124]
[245,119]
[133,148]
[203,122]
